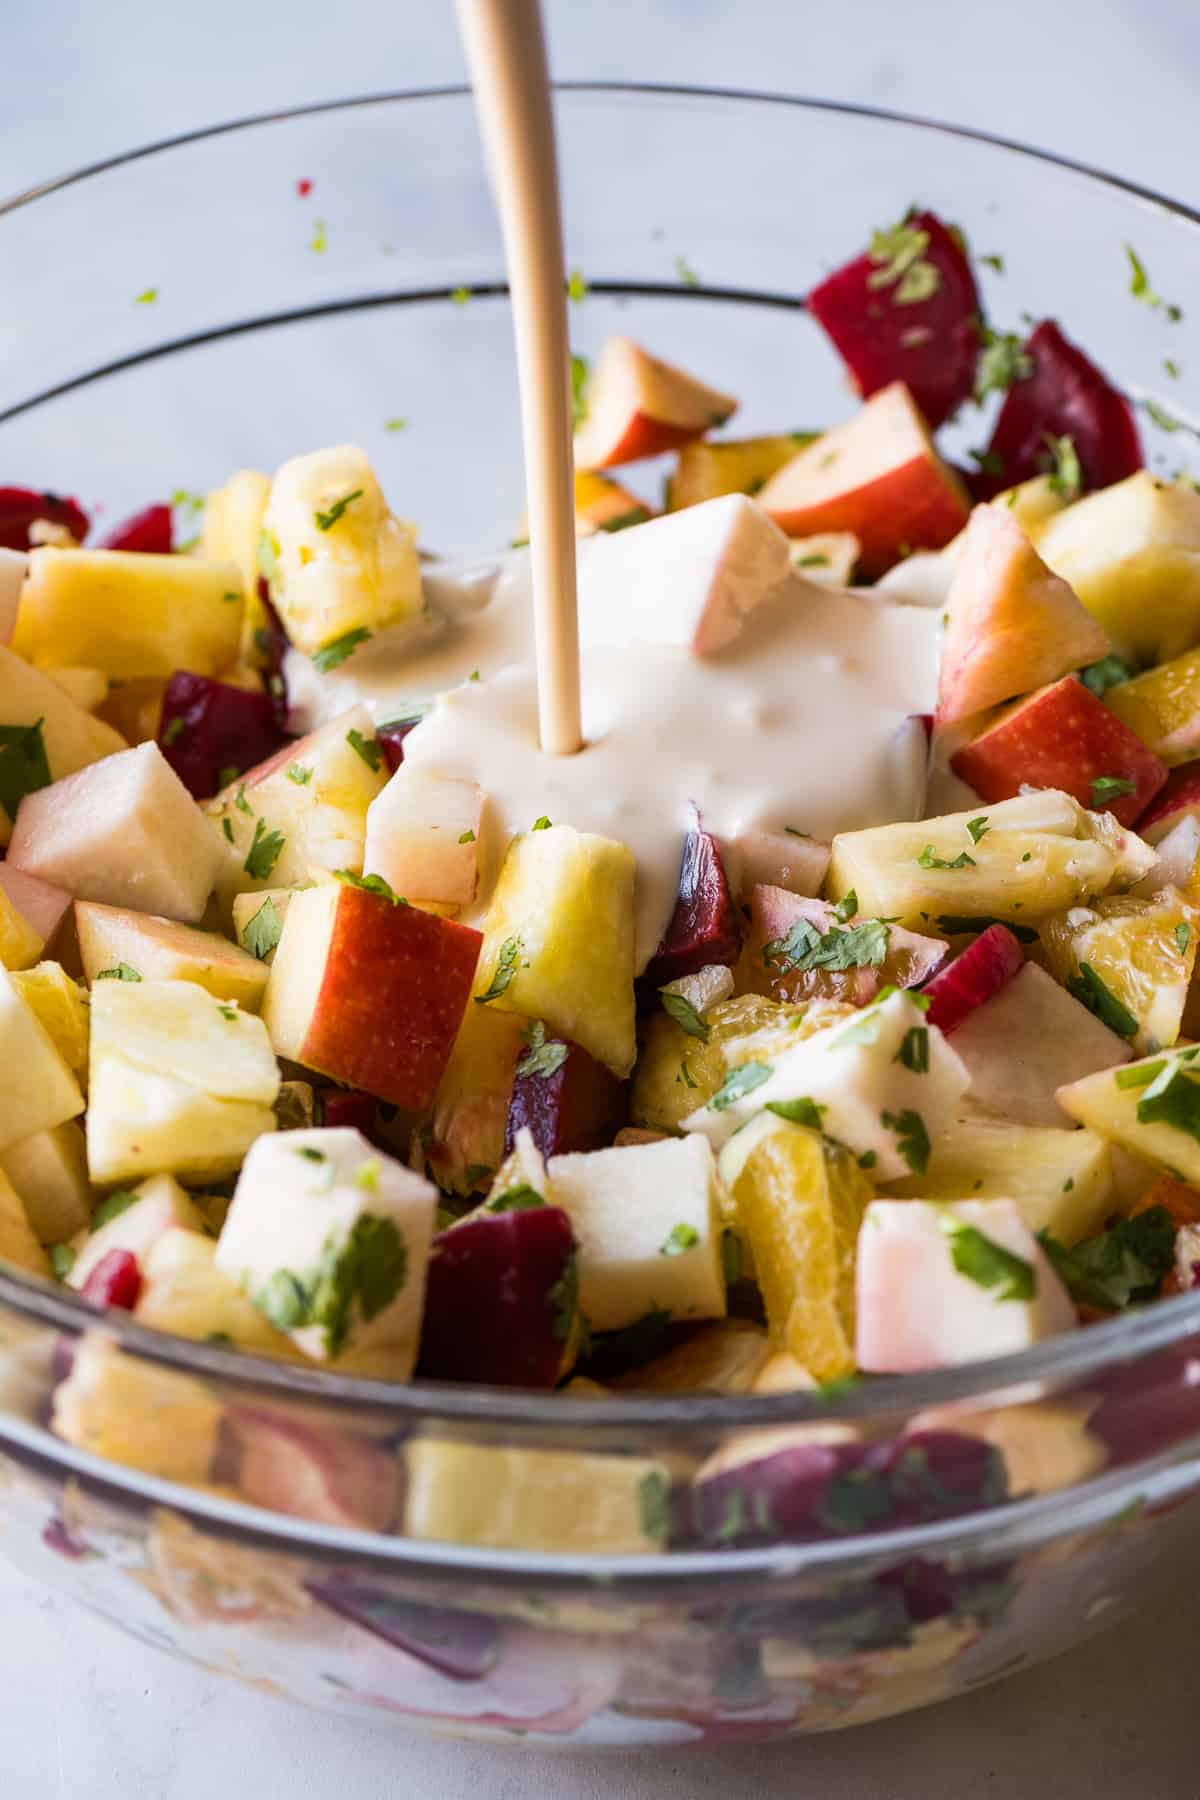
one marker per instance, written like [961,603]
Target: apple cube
[973,977]
[162,950]
[1012,624]
[647,1223]
[423,837]
[706,470]
[152,531]
[638,406]
[39,1089]
[133,615]
[470,1112]
[49,1171]
[210,730]
[559,941]
[1162,707]
[689,578]
[115,1406]
[61,1007]
[945,1284]
[342,563]
[290,1465]
[1150,1107]
[179,1082]
[1177,801]
[69,737]
[13,565]
[330,1240]
[370,991]
[132,1221]
[500,1300]
[258,920]
[704,927]
[563,1097]
[19,1244]
[800,949]
[184,1291]
[125,832]
[878,476]
[781,859]
[1063,737]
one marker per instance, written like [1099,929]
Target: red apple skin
[310,1471]
[1178,797]
[396,985]
[643,436]
[914,506]
[1062,736]
[150,531]
[581,1106]
[116,1281]
[931,345]
[208,727]
[22,507]
[982,969]
[704,926]
[491,1312]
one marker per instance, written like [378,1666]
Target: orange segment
[1136,953]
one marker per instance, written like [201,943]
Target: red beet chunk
[704,926]
[1066,396]
[776,1496]
[347,1107]
[931,345]
[149,531]
[581,1106]
[391,735]
[984,967]
[497,1299]
[210,731]
[22,507]
[116,1280]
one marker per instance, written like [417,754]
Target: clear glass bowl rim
[1058,1361]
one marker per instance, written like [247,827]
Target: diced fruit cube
[133,615]
[423,837]
[184,1291]
[116,1281]
[1012,624]
[649,1231]
[705,471]
[1022,858]
[125,832]
[20,944]
[559,940]
[133,1220]
[130,1412]
[210,731]
[1132,554]
[22,510]
[1129,961]
[58,731]
[799,949]
[942,1284]
[501,1297]
[39,1090]
[471,1109]
[974,976]
[1162,707]
[799,1204]
[49,1171]
[342,562]
[678,1071]
[1178,799]
[178,1082]
[638,406]
[704,927]
[312,1471]
[878,476]
[233,516]
[370,991]
[258,920]
[1151,1107]
[18,1241]
[150,531]
[780,859]
[563,1097]
[42,906]
[330,1239]
[13,564]
[61,1007]
[157,949]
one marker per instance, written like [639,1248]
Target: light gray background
[1114,82]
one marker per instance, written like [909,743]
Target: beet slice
[209,731]
[149,532]
[983,968]
[1066,396]
[931,345]
[498,1299]
[391,735]
[116,1280]
[21,507]
[580,1106]
[704,926]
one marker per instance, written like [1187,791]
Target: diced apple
[500,1302]
[342,562]
[559,941]
[70,737]
[312,1471]
[564,1098]
[704,927]
[706,470]
[49,1171]
[162,950]
[39,1091]
[637,406]
[178,1082]
[946,1284]
[827,557]
[151,531]
[974,976]
[19,1244]
[1063,737]
[1151,1107]
[1162,707]
[779,859]
[133,615]
[878,476]
[210,730]
[115,1406]
[61,1007]
[183,1291]
[132,1221]
[370,991]
[13,565]
[728,1356]
[649,1231]
[423,837]
[330,1240]
[125,832]
[787,932]
[470,1113]
[1012,625]
[1178,800]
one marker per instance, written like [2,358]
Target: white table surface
[84,1711]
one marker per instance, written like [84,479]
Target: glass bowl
[177,313]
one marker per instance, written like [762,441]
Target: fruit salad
[831,1015]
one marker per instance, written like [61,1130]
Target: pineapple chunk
[114,1406]
[258,920]
[559,941]
[342,562]
[134,1221]
[38,1089]
[49,1171]
[1033,504]
[233,517]
[1129,961]
[184,1291]
[1150,1107]
[178,1082]
[1025,858]
[1163,706]
[545,1500]
[71,737]
[162,950]
[705,471]
[20,944]
[60,1006]
[133,615]
[18,1241]
[86,687]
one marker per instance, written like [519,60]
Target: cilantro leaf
[62,1260]
[912,1139]
[333,655]
[264,852]
[370,749]
[467,836]
[24,766]
[861,946]
[1098,997]
[978,828]
[1183,937]
[1066,478]
[1173,1099]
[112,1206]
[739,1081]
[542,1058]
[263,932]
[914,1050]
[678,1240]
[1110,787]
[929,859]
[120,972]
[370,884]
[577,287]
[1004,361]
[845,908]
[986,1262]
[1110,671]
[521,1198]
[798,1112]
[1120,1267]
[325,521]
[654,1505]
[686,273]
[900,253]
[563,1299]
[680,1008]
[297,773]
[579,383]
[1140,288]
[506,968]
[283,1301]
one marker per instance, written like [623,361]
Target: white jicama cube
[423,837]
[49,1171]
[1150,1107]
[114,1406]
[37,1089]
[134,1220]
[689,578]
[944,1284]
[330,1240]
[179,1082]
[125,832]
[648,1226]
[163,950]
[70,737]
[184,1291]
[884,1083]
[18,1241]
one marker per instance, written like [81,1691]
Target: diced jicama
[423,837]
[112,938]
[637,405]
[38,1090]
[132,1221]
[49,1171]
[209,731]
[132,615]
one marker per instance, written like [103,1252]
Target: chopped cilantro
[300,775]
[845,908]
[120,972]
[986,1262]
[325,521]
[241,802]
[978,828]
[794,831]
[1098,997]
[228,774]
[62,1260]
[1140,288]
[1107,673]
[319,241]
[310,1153]
[577,287]
[466,837]
[686,273]
[369,749]
[542,1058]
[460,295]
[579,383]
[147,297]
[679,1008]
[1171,367]
[912,1139]
[1173,1099]
[521,1198]
[1119,1267]
[263,932]
[506,968]
[868,1159]
[739,1081]
[804,947]
[798,1112]
[563,1299]
[1158,415]
[1110,787]
[395,424]
[914,1050]
[370,884]
[172,731]
[119,1201]
[264,852]
[1004,361]
[1066,477]
[540,824]
[333,655]
[228,1012]
[227,828]
[900,253]
[1183,936]
[684,1077]
[654,1505]
[992,261]
[815,561]
[929,859]
[679,1240]
[24,766]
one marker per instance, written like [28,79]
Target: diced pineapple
[800,1202]
[1163,706]
[178,1082]
[38,1090]
[1023,858]
[133,615]
[423,836]
[1150,1107]
[184,1291]
[1034,503]
[49,1171]
[258,918]
[61,1007]
[559,940]
[705,471]
[134,1220]
[86,687]
[342,562]
[677,1072]
[233,517]
[1129,961]
[157,949]
[18,1241]
[130,1412]
[71,737]
[726,1357]
[20,944]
